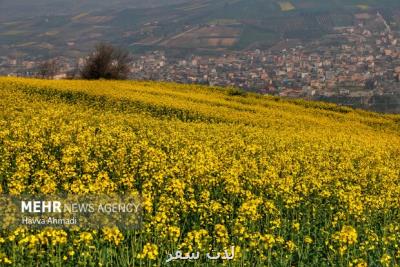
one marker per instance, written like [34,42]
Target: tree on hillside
[106,62]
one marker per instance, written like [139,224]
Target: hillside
[17,9]
[288,183]
[55,29]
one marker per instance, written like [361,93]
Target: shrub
[106,62]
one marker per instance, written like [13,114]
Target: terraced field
[286,6]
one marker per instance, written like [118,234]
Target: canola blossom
[286,182]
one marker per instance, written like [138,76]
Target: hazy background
[12,9]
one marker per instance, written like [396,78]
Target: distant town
[355,66]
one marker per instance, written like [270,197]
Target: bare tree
[48,69]
[107,62]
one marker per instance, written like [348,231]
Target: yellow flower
[174,233]
[268,241]
[221,233]
[386,260]
[296,226]
[348,235]
[360,263]
[308,240]
[150,251]
[7,260]
[85,237]
[113,234]
[291,246]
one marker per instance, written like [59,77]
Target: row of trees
[105,62]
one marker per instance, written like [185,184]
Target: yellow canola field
[287,182]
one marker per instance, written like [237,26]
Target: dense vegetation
[288,183]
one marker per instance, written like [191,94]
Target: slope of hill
[288,183]
[158,24]
[17,9]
